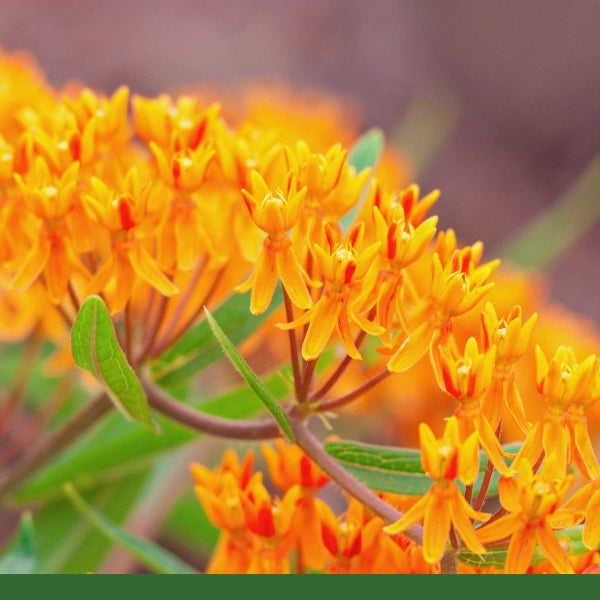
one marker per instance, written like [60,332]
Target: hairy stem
[294,354]
[226,428]
[361,389]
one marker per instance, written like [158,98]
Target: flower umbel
[445,460]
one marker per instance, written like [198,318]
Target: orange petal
[413,348]
[520,550]
[498,530]
[436,527]
[490,444]
[145,266]
[459,513]
[591,528]
[583,451]
[343,329]
[58,271]
[265,281]
[322,324]
[413,516]
[34,263]
[556,441]
[553,550]
[292,278]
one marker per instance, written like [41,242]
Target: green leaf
[67,542]
[365,154]
[188,525]
[115,445]
[558,227]
[570,540]
[260,389]
[154,557]
[22,556]
[95,348]
[396,470]
[198,348]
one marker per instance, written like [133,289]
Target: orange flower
[343,268]
[275,212]
[510,337]
[52,200]
[333,187]
[533,503]
[456,286]
[126,216]
[467,378]
[348,539]
[300,478]
[401,245]
[568,389]
[588,499]
[445,460]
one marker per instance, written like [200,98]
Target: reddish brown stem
[357,392]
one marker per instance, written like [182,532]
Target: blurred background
[511,89]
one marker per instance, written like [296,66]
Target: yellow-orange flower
[52,249]
[275,212]
[333,187]
[456,286]
[343,268]
[445,460]
[292,472]
[466,378]
[568,389]
[401,245]
[588,499]
[534,506]
[126,216]
[510,336]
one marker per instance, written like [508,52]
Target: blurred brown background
[526,76]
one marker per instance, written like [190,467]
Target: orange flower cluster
[175,206]
[265,534]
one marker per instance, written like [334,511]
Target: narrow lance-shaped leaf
[260,389]
[364,154]
[154,557]
[198,348]
[569,538]
[22,557]
[95,348]
[396,470]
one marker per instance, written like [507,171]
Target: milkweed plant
[311,374]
